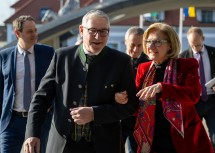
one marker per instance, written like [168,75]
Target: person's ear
[125,41]
[17,33]
[81,30]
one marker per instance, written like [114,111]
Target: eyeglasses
[156,43]
[93,31]
[197,46]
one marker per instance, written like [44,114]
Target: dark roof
[33,8]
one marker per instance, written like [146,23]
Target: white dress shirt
[207,66]
[18,104]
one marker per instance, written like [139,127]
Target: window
[42,12]
[154,16]
[112,45]
[207,16]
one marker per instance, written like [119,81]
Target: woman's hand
[121,97]
[149,92]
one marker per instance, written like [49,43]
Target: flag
[190,12]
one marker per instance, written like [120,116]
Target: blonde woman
[168,88]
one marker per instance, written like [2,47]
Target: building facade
[204,18]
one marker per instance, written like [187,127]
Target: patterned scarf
[144,128]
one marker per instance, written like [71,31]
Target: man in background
[206,56]
[21,70]
[134,48]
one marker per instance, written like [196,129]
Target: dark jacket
[109,73]
[211,54]
[135,62]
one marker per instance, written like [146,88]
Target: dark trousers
[129,144]
[79,147]
[206,110]
[12,138]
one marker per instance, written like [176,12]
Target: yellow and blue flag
[190,11]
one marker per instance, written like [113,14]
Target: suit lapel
[13,66]
[211,57]
[37,55]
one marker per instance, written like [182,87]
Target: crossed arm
[143,94]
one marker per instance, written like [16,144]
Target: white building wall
[10,35]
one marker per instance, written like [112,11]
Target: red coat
[187,92]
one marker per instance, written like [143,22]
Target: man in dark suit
[134,48]
[206,104]
[13,111]
[83,79]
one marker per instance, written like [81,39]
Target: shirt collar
[202,50]
[87,52]
[21,50]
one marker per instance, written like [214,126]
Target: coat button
[74,103]
[64,136]
[79,86]
[69,120]
[83,133]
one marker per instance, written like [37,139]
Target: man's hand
[121,97]
[32,145]
[82,115]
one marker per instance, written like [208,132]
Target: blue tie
[202,77]
[27,82]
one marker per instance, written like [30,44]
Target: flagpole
[141,21]
[181,18]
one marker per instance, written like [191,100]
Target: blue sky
[6,11]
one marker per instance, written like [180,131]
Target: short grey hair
[135,30]
[94,13]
